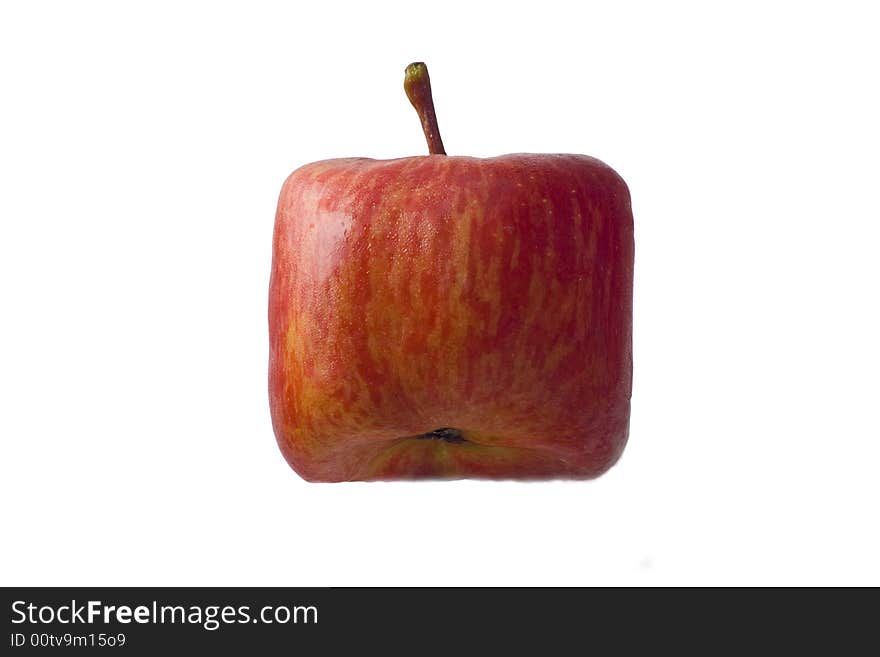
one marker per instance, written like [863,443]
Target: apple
[451,317]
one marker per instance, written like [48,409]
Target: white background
[142,148]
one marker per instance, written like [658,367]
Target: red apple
[451,317]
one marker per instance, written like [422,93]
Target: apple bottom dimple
[451,453]
[446,434]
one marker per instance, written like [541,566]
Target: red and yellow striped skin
[493,296]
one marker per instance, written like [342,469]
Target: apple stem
[417,85]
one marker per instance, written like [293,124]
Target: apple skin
[492,296]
